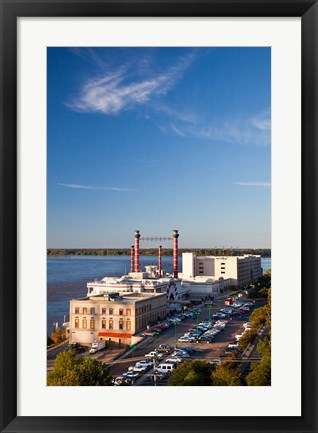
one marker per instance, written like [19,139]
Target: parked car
[229,350]
[154,354]
[216,361]
[235,313]
[205,339]
[157,376]
[139,368]
[165,348]
[185,339]
[175,360]
[120,380]
[166,367]
[233,345]
[145,362]
[131,374]
[219,315]
[189,349]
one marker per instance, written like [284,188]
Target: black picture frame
[10,11]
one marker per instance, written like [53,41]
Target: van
[165,367]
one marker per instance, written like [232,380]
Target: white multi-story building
[239,269]
[115,317]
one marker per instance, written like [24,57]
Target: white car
[174,360]
[154,354]
[182,354]
[216,361]
[139,368]
[145,362]
[131,374]
[238,336]
[233,345]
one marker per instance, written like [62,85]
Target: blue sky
[158,139]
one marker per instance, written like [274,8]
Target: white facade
[114,319]
[239,269]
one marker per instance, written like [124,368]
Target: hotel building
[115,317]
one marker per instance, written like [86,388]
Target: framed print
[196,124]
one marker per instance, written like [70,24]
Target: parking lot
[203,350]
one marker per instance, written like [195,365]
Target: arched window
[84,323]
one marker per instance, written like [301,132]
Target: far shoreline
[263,252]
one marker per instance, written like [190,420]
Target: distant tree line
[154,251]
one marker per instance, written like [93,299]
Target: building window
[77,322]
[92,310]
[128,312]
[76,310]
[111,311]
[103,323]
[128,325]
[92,323]
[103,310]
[84,323]
[121,324]
[84,310]
[121,311]
[111,324]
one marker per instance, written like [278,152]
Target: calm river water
[67,277]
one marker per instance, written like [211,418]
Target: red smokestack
[159,261]
[132,259]
[137,236]
[175,253]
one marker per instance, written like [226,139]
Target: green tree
[194,373]
[227,374]
[69,370]
[223,376]
[259,316]
[260,374]
[246,338]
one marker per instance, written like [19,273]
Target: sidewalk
[110,355]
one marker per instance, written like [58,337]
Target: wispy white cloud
[262,184]
[119,90]
[91,187]
[261,121]
[176,130]
[240,130]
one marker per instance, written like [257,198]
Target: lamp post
[156,341]
[209,309]
[219,302]
[175,333]
[133,347]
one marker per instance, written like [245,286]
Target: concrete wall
[205,266]
[188,263]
